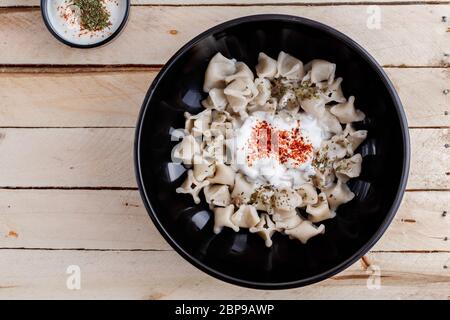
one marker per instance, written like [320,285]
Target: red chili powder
[266,141]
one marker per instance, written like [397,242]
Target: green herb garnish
[94,16]
[306,90]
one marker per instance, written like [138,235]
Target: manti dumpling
[265,228]
[222,218]
[296,181]
[219,68]
[192,186]
[305,231]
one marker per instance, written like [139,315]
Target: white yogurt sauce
[269,170]
[68,27]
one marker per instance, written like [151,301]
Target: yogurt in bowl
[266,154]
[66,20]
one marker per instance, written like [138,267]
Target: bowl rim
[49,25]
[400,191]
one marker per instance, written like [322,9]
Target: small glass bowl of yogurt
[85,24]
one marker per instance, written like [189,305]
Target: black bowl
[242,258]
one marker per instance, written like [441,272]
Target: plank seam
[81,68]
[171,250]
[67,127]
[427,190]
[275,4]
[115,188]
[136,188]
[86,249]
[133,127]
[67,188]
[97,68]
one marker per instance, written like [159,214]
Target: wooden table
[68,194]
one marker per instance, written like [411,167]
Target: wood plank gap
[427,190]
[401,66]
[86,249]
[6,10]
[65,188]
[94,68]
[67,127]
[410,251]
[428,127]
[171,250]
[301,4]
[85,68]
[279,4]
[133,127]
[136,188]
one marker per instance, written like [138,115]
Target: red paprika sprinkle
[284,145]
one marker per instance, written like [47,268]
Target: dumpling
[265,229]
[266,67]
[289,223]
[214,148]
[242,190]
[281,215]
[336,148]
[313,106]
[241,88]
[321,70]
[224,175]
[245,217]
[218,69]
[329,122]
[308,193]
[224,129]
[216,100]
[286,199]
[263,199]
[333,91]
[354,137]
[192,186]
[263,87]
[239,93]
[242,71]
[324,177]
[321,210]
[316,107]
[186,150]
[348,168]
[220,116]
[199,123]
[346,112]
[289,67]
[339,194]
[222,218]
[270,107]
[202,168]
[305,231]
[218,195]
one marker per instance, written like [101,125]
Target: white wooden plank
[430,159]
[102,157]
[92,219]
[67,157]
[422,92]
[411,35]
[71,99]
[112,219]
[7,3]
[165,275]
[79,97]
[421,224]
